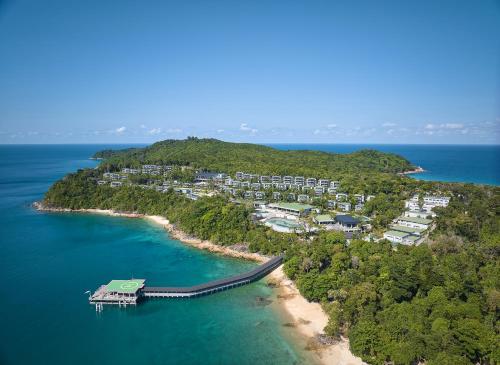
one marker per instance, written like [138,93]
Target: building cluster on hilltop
[290,198]
[411,227]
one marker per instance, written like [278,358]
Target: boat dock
[130,292]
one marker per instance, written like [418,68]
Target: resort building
[324,219]
[303,198]
[248,195]
[288,179]
[418,214]
[319,190]
[335,184]
[370,197]
[359,207]
[299,180]
[265,179]
[401,237]
[102,182]
[332,191]
[276,179]
[292,208]
[311,182]
[347,223]
[341,197]
[360,198]
[276,195]
[414,231]
[324,183]
[291,197]
[331,204]
[115,184]
[255,186]
[414,222]
[344,206]
[239,175]
[260,195]
[245,184]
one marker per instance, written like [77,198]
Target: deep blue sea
[452,163]
[48,261]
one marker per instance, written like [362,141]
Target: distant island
[407,270]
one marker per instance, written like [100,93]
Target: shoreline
[415,171]
[308,318]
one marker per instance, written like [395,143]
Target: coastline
[308,318]
[415,171]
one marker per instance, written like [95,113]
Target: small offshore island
[389,269]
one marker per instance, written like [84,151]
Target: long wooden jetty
[123,292]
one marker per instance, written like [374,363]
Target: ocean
[49,261]
[478,164]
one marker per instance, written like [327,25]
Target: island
[396,270]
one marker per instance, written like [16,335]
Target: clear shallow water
[452,163]
[49,260]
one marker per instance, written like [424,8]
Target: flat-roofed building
[115,184]
[299,180]
[324,183]
[276,179]
[248,195]
[265,179]
[331,204]
[302,198]
[288,179]
[239,175]
[359,207]
[324,219]
[347,222]
[255,186]
[260,195]
[360,198]
[335,184]
[292,208]
[276,195]
[341,196]
[290,197]
[311,181]
[415,231]
[404,238]
[414,222]
[319,190]
[344,206]
[418,214]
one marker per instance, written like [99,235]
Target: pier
[130,292]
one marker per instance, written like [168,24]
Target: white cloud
[389,125]
[220,130]
[120,130]
[331,126]
[245,128]
[430,126]
[154,131]
[391,131]
[317,131]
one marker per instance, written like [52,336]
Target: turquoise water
[287,223]
[452,163]
[49,260]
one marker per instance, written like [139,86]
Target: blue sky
[256,71]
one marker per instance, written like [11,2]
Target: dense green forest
[229,157]
[438,302]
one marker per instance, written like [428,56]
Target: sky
[263,71]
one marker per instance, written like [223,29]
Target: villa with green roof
[297,209]
[324,219]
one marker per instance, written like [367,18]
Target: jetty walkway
[127,292]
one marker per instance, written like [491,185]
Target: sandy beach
[308,319]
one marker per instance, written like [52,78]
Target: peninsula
[406,270]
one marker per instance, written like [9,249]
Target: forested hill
[229,157]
